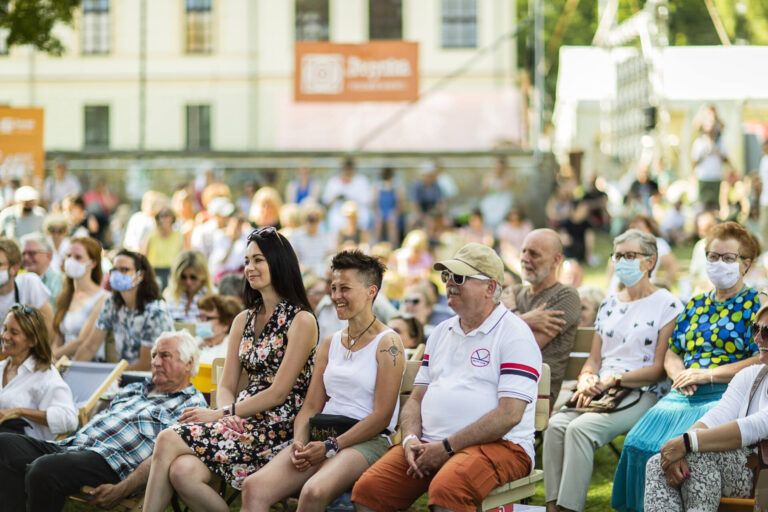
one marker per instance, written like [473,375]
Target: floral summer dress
[234,456]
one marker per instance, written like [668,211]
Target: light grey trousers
[713,474]
[570,442]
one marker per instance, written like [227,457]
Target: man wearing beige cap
[23,217]
[469,424]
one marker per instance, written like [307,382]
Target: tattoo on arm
[393,351]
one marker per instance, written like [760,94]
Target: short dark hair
[371,269]
[283,270]
[415,329]
[148,291]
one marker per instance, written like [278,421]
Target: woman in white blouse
[32,390]
[695,470]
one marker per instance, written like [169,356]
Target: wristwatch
[330,449]
[617,377]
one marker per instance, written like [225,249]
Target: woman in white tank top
[357,376]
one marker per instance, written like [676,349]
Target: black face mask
[26,209]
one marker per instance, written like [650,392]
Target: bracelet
[408,438]
[334,442]
[447,447]
[687,442]
[232,409]
[711,375]
[694,442]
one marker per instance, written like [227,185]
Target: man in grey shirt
[551,309]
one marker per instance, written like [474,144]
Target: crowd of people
[316,297]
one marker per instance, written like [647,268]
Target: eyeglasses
[447,275]
[629,255]
[57,231]
[412,300]
[760,329]
[32,253]
[185,277]
[27,310]
[206,318]
[727,257]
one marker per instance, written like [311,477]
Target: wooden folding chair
[88,382]
[189,326]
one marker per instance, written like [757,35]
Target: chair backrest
[580,352]
[189,326]
[217,368]
[88,382]
[418,352]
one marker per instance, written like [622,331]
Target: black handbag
[323,426]
[14,426]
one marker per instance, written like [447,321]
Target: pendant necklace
[352,340]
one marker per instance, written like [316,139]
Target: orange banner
[21,142]
[374,71]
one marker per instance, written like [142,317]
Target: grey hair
[647,244]
[187,348]
[38,238]
[496,292]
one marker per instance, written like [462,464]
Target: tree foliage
[745,21]
[31,22]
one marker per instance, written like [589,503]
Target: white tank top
[350,383]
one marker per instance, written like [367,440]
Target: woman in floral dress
[243,435]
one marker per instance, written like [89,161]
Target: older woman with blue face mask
[711,342]
[627,356]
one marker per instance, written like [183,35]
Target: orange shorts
[461,484]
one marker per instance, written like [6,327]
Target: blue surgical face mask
[120,282]
[628,271]
[204,329]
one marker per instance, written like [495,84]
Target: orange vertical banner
[374,71]
[21,142]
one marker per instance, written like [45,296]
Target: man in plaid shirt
[111,452]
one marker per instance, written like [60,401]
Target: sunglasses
[447,275]
[414,300]
[27,310]
[57,231]
[760,329]
[263,233]
[185,277]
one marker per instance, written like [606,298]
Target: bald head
[540,258]
[548,237]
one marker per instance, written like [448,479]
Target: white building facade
[217,76]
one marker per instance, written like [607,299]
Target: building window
[95,26]
[459,24]
[198,127]
[385,19]
[312,20]
[199,21]
[97,126]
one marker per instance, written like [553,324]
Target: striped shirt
[124,434]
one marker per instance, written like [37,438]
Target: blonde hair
[191,259]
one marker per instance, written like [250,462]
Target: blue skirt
[670,417]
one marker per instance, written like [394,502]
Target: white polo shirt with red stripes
[467,373]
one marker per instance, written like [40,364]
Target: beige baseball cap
[474,259]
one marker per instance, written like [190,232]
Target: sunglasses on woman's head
[264,232]
[23,308]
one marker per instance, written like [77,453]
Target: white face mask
[4,277]
[723,275]
[74,268]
